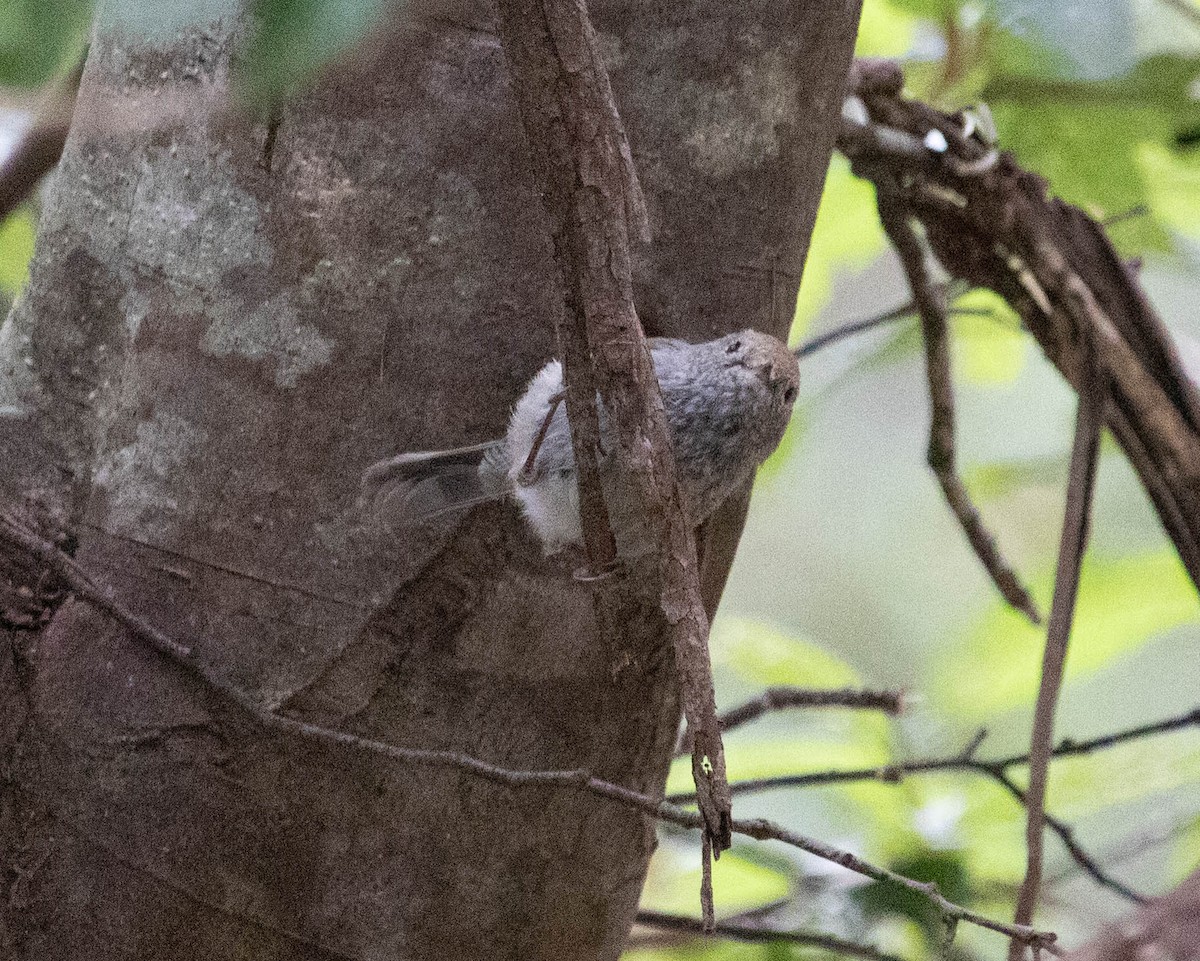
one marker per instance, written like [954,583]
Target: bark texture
[225,323]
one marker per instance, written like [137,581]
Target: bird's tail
[411,488]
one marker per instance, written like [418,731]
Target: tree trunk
[226,322]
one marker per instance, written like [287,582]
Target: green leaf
[937,10]
[1123,602]
[16,250]
[692,952]
[809,740]
[1173,185]
[1183,862]
[294,39]
[1101,782]
[766,656]
[944,868]
[39,38]
[991,830]
[990,482]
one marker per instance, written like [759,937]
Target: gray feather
[416,487]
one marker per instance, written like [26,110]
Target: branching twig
[758,934]
[578,779]
[1066,834]
[992,225]
[1082,479]
[780,698]
[931,304]
[83,586]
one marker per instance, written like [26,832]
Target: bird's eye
[789,395]
[734,347]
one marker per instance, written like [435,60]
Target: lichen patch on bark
[138,478]
[736,128]
[274,334]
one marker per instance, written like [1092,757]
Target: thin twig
[941,455]
[528,474]
[577,779]
[708,914]
[894,773]
[85,587]
[1134,212]
[996,770]
[1055,266]
[903,312]
[838,334]
[1082,858]
[757,934]
[1081,484]
[781,698]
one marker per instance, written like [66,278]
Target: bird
[727,403]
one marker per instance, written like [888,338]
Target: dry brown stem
[1081,485]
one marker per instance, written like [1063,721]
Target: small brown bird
[727,402]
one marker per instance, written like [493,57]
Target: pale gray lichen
[134,306]
[18,383]
[212,231]
[735,129]
[138,477]
[273,333]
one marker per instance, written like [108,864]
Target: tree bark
[226,322]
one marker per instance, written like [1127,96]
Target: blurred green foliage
[1115,612]
[293,39]
[16,249]
[39,38]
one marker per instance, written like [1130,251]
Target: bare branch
[931,304]
[1084,456]
[758,934]
[781,698]
[994,226]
